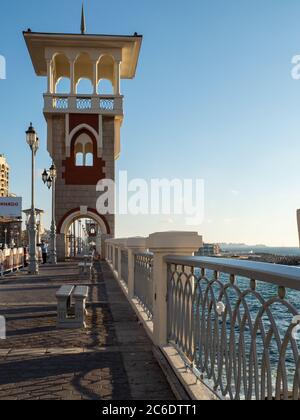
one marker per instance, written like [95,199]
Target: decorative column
[95,76]
[72,76]
[134,245]
[117,77]
[163,244]
[49,77]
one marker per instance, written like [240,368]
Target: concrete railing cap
[175,240]
[137,242]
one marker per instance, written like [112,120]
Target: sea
[257,249]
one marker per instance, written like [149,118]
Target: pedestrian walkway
[111,360]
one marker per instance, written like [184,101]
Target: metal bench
[63,297]
[80,296]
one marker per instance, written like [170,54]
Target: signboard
[11,207]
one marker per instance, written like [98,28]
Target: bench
[86,270]
[80,296]
[63,297]
[64,300]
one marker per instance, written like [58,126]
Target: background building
[10,226]
[209,250]
[4,177]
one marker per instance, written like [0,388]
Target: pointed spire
[83,26]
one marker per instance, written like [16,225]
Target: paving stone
[112,359]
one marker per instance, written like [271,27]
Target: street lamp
[49,179]
[33,142]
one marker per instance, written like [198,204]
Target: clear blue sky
[213,99]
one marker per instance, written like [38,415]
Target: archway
[80,231]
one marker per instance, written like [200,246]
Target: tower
[83,127]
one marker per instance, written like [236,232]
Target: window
[84,151]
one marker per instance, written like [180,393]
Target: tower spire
[83,25]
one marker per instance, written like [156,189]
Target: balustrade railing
[143,281]
[236,324]
[11,259]
[124,266]
[64,102]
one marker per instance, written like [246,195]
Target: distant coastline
[260,249]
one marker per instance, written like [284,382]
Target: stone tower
[83,127]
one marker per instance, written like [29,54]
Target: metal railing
[143,281]
[236,324]
[116,251]
[124,265]
[11,259]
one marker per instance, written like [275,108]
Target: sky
[213,98]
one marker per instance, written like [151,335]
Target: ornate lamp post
[33,142]
[49,178]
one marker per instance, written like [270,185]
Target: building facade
[4,177]
[209,250]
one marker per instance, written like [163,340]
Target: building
[209,250]
[83,127]
[10,227]
[4,177]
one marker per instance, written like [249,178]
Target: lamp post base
[33,266]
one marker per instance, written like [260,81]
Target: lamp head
[45,176]
[31,136]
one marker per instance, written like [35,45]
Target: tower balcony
[78,103]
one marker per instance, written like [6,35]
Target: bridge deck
[112,359]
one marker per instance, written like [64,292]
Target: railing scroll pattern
[143,281]
[238,334]
[124,265]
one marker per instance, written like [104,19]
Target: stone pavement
[111,360]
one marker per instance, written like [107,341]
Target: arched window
[105,87]
[83,149]
[84,87]
[63,85]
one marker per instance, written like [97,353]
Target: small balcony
[93,104]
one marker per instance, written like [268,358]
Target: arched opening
[84,150]
[83,237]
[106,73]
[63,86]
[84,87]
[105,87]
[82,233]
[61,71]
[84,74]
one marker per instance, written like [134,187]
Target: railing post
[163,244]
[133,245]
[113,260]
[120,261]
[104,246]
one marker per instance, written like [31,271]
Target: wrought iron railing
[236,324]
[143,281]
[124,265]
